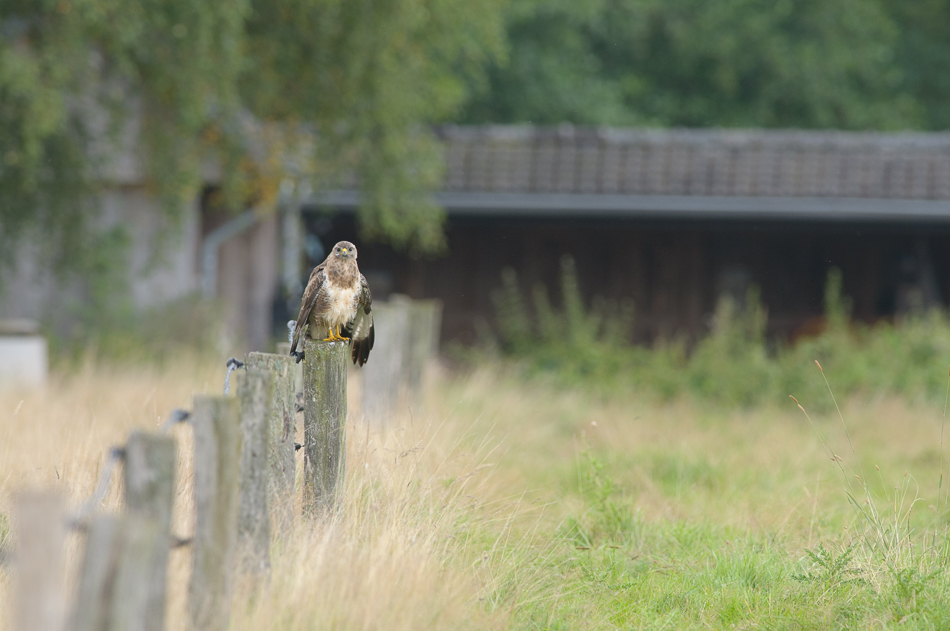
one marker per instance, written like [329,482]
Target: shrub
[733,364]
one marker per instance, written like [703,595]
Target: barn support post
[256,400]
[149,476]
[281,427]
[39,524]
[217,497]
[324,425]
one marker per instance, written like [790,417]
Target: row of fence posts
[244,475]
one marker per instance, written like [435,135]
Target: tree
[923,54]
[731,63]
[361,77]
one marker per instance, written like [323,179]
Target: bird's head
[344,250]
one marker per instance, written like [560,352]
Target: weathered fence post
[281,424]
[296,370]
[39,524]
[217,496]
[144,545]
[324,425]
[116,585]
[382,374]
[256,398]
[407,337]
[425,320]
[150,494]
[97,574]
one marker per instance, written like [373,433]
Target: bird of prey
[337,306]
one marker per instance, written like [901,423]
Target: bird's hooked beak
[345,251]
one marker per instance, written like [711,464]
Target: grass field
[507,505]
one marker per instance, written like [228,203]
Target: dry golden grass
[449,516]
[761,468]
[390,561]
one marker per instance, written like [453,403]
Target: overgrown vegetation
[505,504]
[189,327]
[734,364]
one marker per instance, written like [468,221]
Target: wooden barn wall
[673,272]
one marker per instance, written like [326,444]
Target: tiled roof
[690,162]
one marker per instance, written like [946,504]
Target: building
[671,219]
[676,218]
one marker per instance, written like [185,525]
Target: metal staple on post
[233,364]
[217,496]
[174,417]
[324,425]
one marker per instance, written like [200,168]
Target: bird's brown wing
[310,297]
[362,333]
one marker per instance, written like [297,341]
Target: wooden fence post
[296,370]
[256,398]
[324,425]
[281,458]
[144,546]
[424,324]
[39,526]
[217,496]
[149,494]
[116,583]
[97,574]
[382,374]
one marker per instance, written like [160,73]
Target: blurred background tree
[368,76]
[77,75]
[847,64]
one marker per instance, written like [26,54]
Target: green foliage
[830,569]
[76,76]
[850,64]
[368,74]
[189,326]
[734,364]
[589,337]
[610,519]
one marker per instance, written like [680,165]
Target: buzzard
[337,305]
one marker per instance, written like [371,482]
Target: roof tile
[767,163]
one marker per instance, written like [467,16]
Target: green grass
[688,517]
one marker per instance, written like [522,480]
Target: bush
[733,364]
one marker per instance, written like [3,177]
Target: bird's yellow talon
[335,336]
